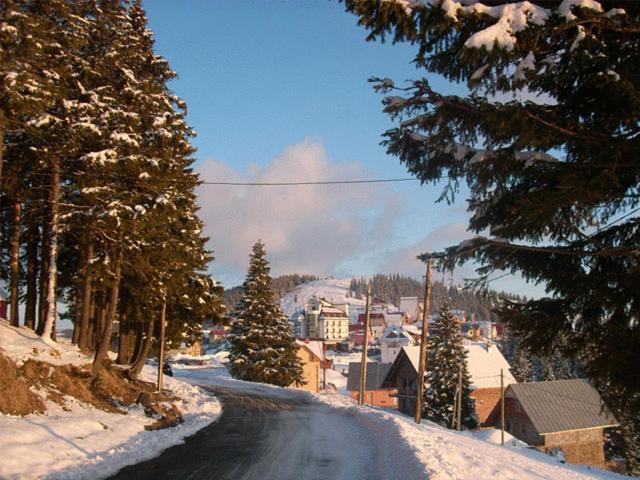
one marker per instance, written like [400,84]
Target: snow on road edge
[448,455]
[80,441]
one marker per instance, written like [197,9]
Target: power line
[327,182]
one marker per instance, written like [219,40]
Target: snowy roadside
[79,441]
[449,455]
[426,450]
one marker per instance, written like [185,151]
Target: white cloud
[306,229]
[403,260]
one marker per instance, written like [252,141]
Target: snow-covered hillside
[334,290]
[74,439]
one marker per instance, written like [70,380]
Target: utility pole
[365,342]
[459,404]
[501,406]
[423,344]
[324,368]
[161,350]
[455,409]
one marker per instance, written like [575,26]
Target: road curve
[262,436]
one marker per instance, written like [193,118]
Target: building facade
[563,414]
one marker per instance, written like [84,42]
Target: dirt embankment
[24,388]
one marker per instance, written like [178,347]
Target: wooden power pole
[501,407]
[459,404]
[365,342]
[424,338]
[161,350]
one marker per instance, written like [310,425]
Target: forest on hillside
[389,288]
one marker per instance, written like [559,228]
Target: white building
[392,341]
[334,325]
[325,321]
[409,305]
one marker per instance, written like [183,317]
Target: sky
[278,91]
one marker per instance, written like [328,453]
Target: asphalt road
[262,436]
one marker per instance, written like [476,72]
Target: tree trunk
[101,316]
[138,332]
[42,287]
[76,323]
[2,127]
[14,316]
[86,293]
[32,275]
[135,369]
[124,341]
[105,336]
[52,273]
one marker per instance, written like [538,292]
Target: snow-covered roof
[484,364]
[485,361]
[394,332]
[413,354]
[314,346]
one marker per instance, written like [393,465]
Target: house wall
[378,398]
[486,400]
[582,446]
[517,422]
[334,329]
[310,370]
[406,389]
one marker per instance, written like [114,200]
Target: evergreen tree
[547,140]
[263,348]
[446,360]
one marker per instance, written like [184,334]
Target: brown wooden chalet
[563,414]
[403,376]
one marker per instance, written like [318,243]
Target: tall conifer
[446,362]
[263,347]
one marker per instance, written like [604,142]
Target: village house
[217,333]
[484,361]
[375,394]
[311,355]
[323,320]
[409,306]
[297,324]
[561,414]
[402,376]
[393,339]
[377,323]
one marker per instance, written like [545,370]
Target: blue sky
[278,91]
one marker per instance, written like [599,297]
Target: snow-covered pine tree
[446,357]
[546,140]
[263,348]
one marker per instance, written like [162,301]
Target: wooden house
[311,355]
[402,376]
[484,361]
[561,414]
[374,393]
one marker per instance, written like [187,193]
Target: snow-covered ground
[427,450]
[81,441]
[449,455]
[334,290]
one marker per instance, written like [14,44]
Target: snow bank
[78,441]
[446,455]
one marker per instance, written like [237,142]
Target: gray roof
[562,405]
[375,375]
